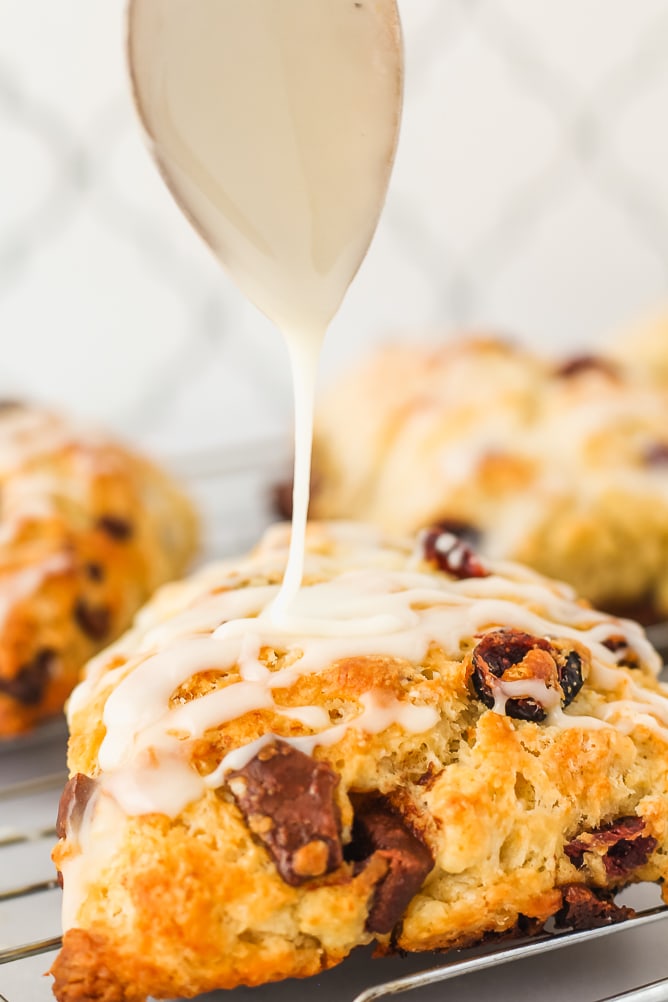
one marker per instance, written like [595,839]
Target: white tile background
[530,194]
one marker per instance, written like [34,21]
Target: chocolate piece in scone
[73,802]
[379,832]
[584,908]
[287,799]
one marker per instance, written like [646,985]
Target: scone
[563,466]
[428,750]
[88,531]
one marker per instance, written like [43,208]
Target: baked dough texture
[88,530]
[429,749]
[562,466]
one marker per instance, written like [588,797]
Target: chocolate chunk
[584,908]
[7,405]
[94,620]
[73,802]
[29,683]
[587,363]
[116,527]
[622,845]
[450,553]
[380,831]
[287,799]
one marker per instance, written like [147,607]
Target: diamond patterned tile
[393,292]
[583,270]
[26,176]
[129,197]
[585,40]
[91,326]
[234,390]
[472,122]
[69,54]
[490,217]
[640,138]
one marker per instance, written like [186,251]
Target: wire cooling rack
[622,963]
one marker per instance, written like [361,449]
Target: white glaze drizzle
[391,607]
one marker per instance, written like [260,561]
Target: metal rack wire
[29,896]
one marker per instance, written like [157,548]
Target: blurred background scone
[562,465]
[428,750]
[88,530]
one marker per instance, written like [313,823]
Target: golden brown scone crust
[494,818]
[88,530]
[563,466]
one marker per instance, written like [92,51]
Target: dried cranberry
[587,363]
[7,405]
[93,620]
[466,531]
[570,676]
[619,645]
[116,527]
[281,499]
[502,650]
[656,454]
[450,553]
[94,570]
[622,845]
[30,681]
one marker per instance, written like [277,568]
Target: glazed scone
[88,530]
[429,749]
[563,466]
